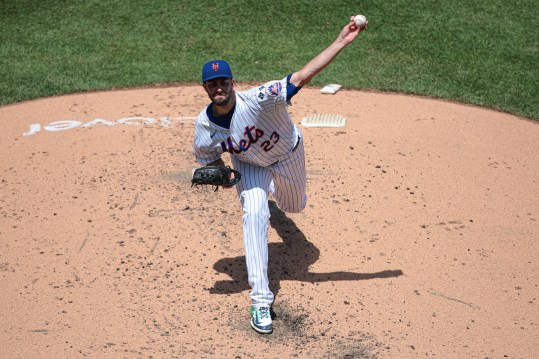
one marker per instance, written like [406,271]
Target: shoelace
[264,312]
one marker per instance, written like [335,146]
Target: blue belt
[297,144]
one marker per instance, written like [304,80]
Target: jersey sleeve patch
[274,89]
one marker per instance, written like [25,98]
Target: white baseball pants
[287,182]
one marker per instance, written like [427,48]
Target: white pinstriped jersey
[261,130]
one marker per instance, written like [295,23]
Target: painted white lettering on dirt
[34,128]
[61,125]
[137,121]
[167,121]
[99,121]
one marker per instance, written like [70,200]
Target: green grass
[483,52]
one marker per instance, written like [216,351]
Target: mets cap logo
[215,66]
[274,89]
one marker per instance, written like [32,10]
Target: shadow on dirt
[289,260]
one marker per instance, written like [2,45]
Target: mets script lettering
[252,135]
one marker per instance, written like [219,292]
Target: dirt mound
[419,237]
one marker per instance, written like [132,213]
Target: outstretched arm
[313,67]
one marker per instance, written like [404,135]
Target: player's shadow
[289,260]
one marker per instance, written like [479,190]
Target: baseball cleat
[261,319]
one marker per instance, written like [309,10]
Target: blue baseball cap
[214,69]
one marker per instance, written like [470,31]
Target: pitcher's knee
[293,207]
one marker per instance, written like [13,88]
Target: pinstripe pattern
[287,182]
[254,107]
[260,142]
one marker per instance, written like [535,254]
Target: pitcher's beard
[223,102]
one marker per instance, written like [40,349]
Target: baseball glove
[215,176]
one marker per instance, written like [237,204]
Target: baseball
[361,21]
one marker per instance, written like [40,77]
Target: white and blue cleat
[261,319]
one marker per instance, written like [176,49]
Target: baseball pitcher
[266,148]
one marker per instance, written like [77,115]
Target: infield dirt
[419,238]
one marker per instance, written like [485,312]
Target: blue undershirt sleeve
[291,89]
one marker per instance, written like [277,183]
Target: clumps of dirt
[300,334]
[289,321]
[294,325]
[358,345]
